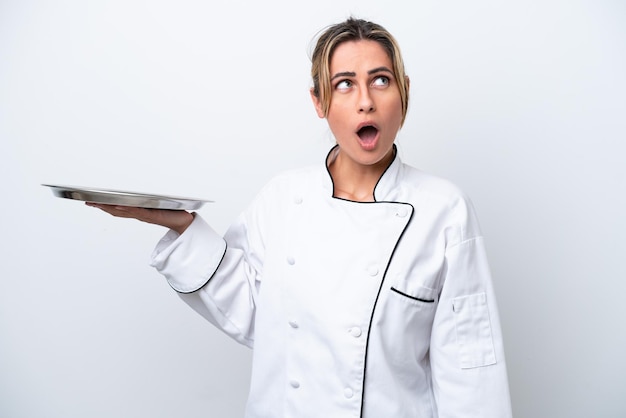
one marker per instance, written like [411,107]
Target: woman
[362,285]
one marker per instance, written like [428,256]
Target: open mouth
[367,134]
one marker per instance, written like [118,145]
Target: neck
[356,182]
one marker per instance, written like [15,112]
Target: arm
[217,280]
[219,283]
[467,355]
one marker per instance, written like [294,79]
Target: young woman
[361,284]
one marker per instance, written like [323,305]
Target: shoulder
[291,179]
[422,184]
[441,198]
[284,187]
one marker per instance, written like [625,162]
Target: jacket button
[291,261]
[297,200]
[293,324]
[355,332]
[402,212]
[372,270]
[294,384]
[348,393]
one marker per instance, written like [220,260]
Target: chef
[361,284]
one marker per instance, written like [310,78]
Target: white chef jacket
[380,309]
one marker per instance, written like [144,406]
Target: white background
[522,104]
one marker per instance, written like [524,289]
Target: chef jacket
[381,309]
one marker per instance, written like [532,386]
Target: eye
[381,81]
[343,85]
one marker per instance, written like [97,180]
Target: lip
[369,144]
[366,123]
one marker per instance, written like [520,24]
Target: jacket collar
[386,184]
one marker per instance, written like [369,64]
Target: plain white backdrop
[521,103]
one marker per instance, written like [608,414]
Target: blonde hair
[354,30]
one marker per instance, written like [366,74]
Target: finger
[119,211]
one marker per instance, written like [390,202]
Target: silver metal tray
[125,198]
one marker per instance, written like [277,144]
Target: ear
[318,104]
[408,82]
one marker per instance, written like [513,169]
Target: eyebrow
[353,74]
[343,74]
[380,69]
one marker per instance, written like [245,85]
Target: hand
[178,220]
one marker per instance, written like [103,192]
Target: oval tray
[126,198]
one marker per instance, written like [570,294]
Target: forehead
[361,54]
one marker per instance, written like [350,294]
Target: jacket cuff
[188,261]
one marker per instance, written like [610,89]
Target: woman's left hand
[178,220]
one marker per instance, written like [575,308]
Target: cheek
[394,111]
[337,114]
[338,126]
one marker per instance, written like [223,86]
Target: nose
[366,103]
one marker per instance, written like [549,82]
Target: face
[365,111]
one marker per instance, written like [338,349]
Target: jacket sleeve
[467,355]
[218,277]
